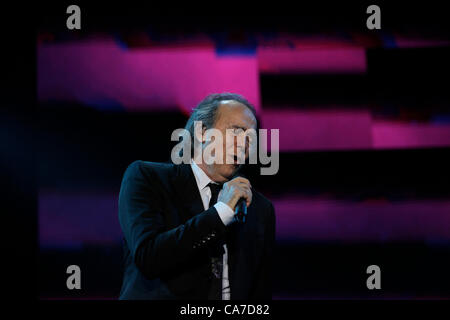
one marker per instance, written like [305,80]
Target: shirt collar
[200,176]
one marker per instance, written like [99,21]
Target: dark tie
[216,252]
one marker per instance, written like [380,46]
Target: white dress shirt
[226,214]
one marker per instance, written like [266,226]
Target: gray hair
[206,111]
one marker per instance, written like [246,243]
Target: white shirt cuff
[226,214]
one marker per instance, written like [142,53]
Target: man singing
[182,238]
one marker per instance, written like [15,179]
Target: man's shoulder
[150,169]
[261,200]
[149,165]
[264,207]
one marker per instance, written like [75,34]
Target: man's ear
[203,134]
[200,137]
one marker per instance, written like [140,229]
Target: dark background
[78,148]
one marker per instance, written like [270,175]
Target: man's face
[231,115]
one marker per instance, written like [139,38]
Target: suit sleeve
[156,250]
[264,279]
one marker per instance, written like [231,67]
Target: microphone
[241,210]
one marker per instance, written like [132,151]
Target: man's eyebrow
[238,127]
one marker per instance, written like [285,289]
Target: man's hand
[234,190]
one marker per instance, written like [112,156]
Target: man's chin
[230,170]
[234,168]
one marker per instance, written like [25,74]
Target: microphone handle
[241,210]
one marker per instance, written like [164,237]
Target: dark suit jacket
[167,231]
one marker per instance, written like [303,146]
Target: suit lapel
[187,192]
[191,203]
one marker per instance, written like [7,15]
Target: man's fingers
[234,190]
[241,180]
[247,194]
[244,183]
